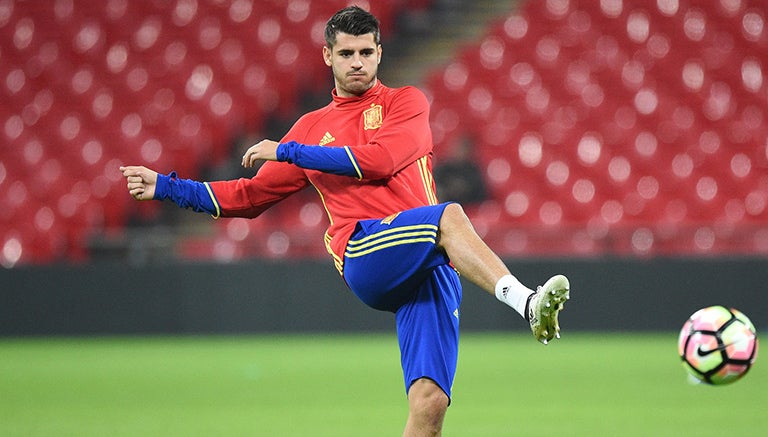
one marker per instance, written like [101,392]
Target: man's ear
[327,55]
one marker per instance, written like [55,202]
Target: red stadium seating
[615,127]
[625,127]
[90,85]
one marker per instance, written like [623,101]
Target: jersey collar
[348,102]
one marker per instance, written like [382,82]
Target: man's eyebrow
[365,50]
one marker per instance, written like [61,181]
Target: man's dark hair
[352,20]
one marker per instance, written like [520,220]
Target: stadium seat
[672,90]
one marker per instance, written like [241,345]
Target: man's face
[354,61]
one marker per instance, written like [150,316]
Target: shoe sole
[554,294]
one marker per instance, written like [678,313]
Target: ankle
[513,293]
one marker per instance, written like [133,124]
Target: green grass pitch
[350,385]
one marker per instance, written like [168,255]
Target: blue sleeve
[187,193]
[334,160]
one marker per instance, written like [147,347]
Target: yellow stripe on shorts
[425,233]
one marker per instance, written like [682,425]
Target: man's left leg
[427,404]
[428,332]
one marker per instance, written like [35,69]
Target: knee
[453,212]
[428,402]
[454,225]
[453,218]
[433,404]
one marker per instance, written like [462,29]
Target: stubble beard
[356,85]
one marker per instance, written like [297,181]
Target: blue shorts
[394,264]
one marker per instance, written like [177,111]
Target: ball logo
[717,345]
[705,352]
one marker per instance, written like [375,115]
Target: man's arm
[234,198]
[250,197]
[404,137]
[334,160]
[146,184]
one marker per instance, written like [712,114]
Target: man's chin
[359,85]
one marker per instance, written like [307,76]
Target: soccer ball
[718,345]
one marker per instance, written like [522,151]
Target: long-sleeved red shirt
[388,141]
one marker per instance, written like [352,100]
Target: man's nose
[357,61]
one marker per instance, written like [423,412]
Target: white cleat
[544,305]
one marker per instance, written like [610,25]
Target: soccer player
[368,153]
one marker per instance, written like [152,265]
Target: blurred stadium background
[621,142]
[577,133]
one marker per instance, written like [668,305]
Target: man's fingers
[249,157]
[138,180]
[132,170]
[248,160]
[255,153]
[252,160]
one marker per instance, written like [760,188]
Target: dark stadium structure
[624,142]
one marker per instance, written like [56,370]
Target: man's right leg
[543,307]
[473,259]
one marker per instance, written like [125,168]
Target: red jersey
[386,131]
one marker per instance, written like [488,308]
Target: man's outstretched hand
[141,181]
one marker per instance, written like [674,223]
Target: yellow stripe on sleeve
[213,199]
[354,162]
